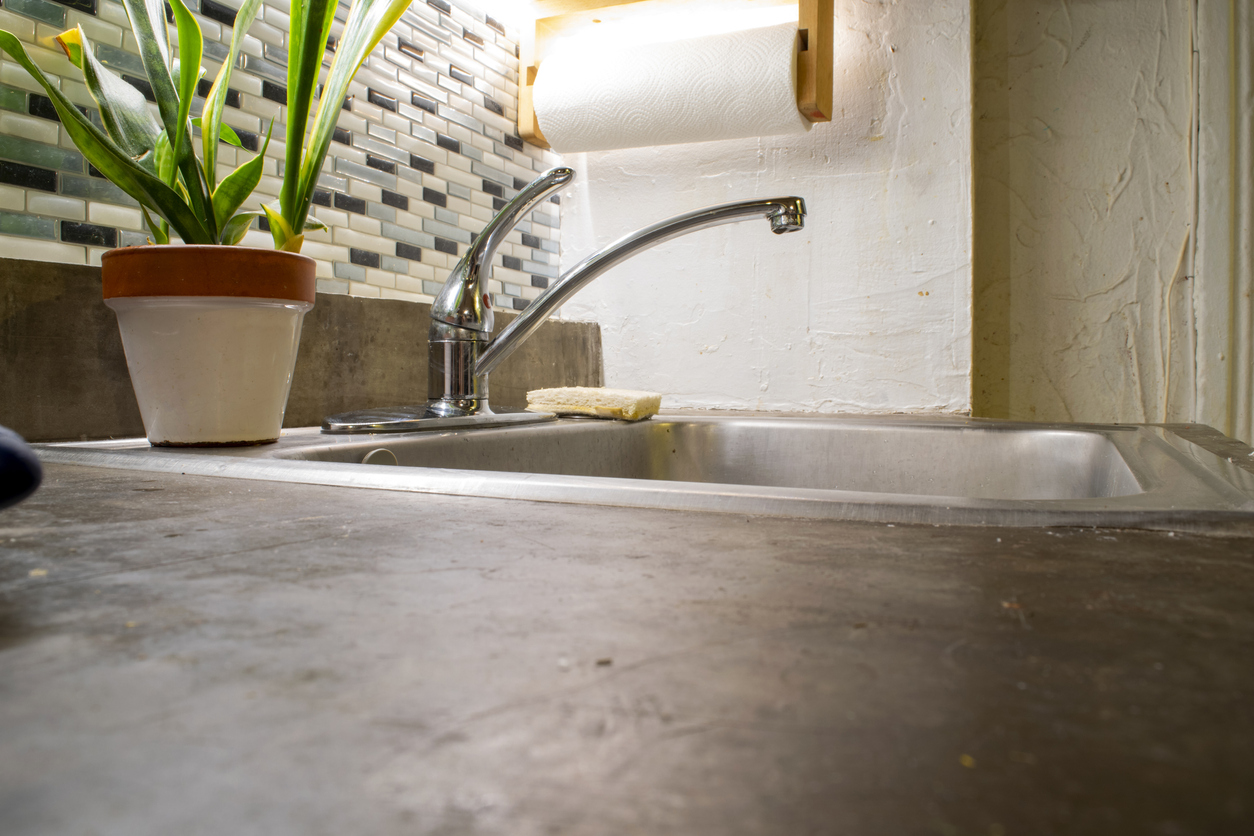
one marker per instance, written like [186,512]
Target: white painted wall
[1091,154]
[1099,113]
[869,308]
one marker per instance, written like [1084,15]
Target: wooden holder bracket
[564,17]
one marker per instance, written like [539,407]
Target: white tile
[276,16]
[394,121]
[389,293]
[409,284]
[362,223]
[69,208]
[22,27]
[94,254]
[388,135]
[258,238]
[29,127]
[366,191]
[115,13]
[12,198]
[266,33]
[459,133]
[352,238]
[239,119]
[245,83]
[262,108]
[77,92]
[251,46]
[362,289]
[380,278]
[396,57]
[458,161]
[333,218]
[107,214]
[324,251]
[98,31]
[421,270]
[211,29]
[34,249]
[350,121]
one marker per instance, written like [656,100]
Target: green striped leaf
[191,49]
[123,109]
[148,24]
[211,118]
[111,160]
[307,43]
[285,238]
[368,21]
[238,185]
[233,231]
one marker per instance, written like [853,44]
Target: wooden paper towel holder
[565,17]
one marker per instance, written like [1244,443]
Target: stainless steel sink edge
[1146,510]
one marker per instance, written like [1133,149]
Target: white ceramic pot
[211,335]
[210,369]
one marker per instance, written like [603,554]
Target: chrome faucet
[463,353]
[461,317]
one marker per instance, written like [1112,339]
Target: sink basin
[896,458]
[889,469]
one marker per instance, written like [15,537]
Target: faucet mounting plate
[410,419]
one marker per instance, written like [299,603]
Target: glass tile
[352,272]
[40,10]
[394,264]
[365,174]
[12,99]
[30,226]
[93,188]
[381,212]
[28,151]
[120,59]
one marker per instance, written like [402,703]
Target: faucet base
[428,417]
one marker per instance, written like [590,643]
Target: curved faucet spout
[462,353]
[786,214]
[463,301]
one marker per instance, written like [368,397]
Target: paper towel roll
[718,87]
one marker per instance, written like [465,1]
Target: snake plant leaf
[191,50]
[307,43]
[159,229]
[164,155]
[312,223]
[111,160]
[71,44]
[233,230]
[238,185]
[216,100]
[123,109]
[368,21]
[225,133]
[148,24]
[285,238]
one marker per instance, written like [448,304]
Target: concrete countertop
[195,655]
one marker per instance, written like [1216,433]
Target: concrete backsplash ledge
[63,372]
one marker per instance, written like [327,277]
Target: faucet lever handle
[464,301]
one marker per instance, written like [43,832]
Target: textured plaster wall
[1082,210]
[869,308]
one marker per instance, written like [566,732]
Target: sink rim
[1225,498]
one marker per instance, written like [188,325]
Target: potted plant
[210,330]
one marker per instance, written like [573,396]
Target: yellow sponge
[625,404]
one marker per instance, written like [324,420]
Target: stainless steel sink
[890,469]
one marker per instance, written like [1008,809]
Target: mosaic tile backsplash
[426,151]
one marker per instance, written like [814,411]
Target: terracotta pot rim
[208,270]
